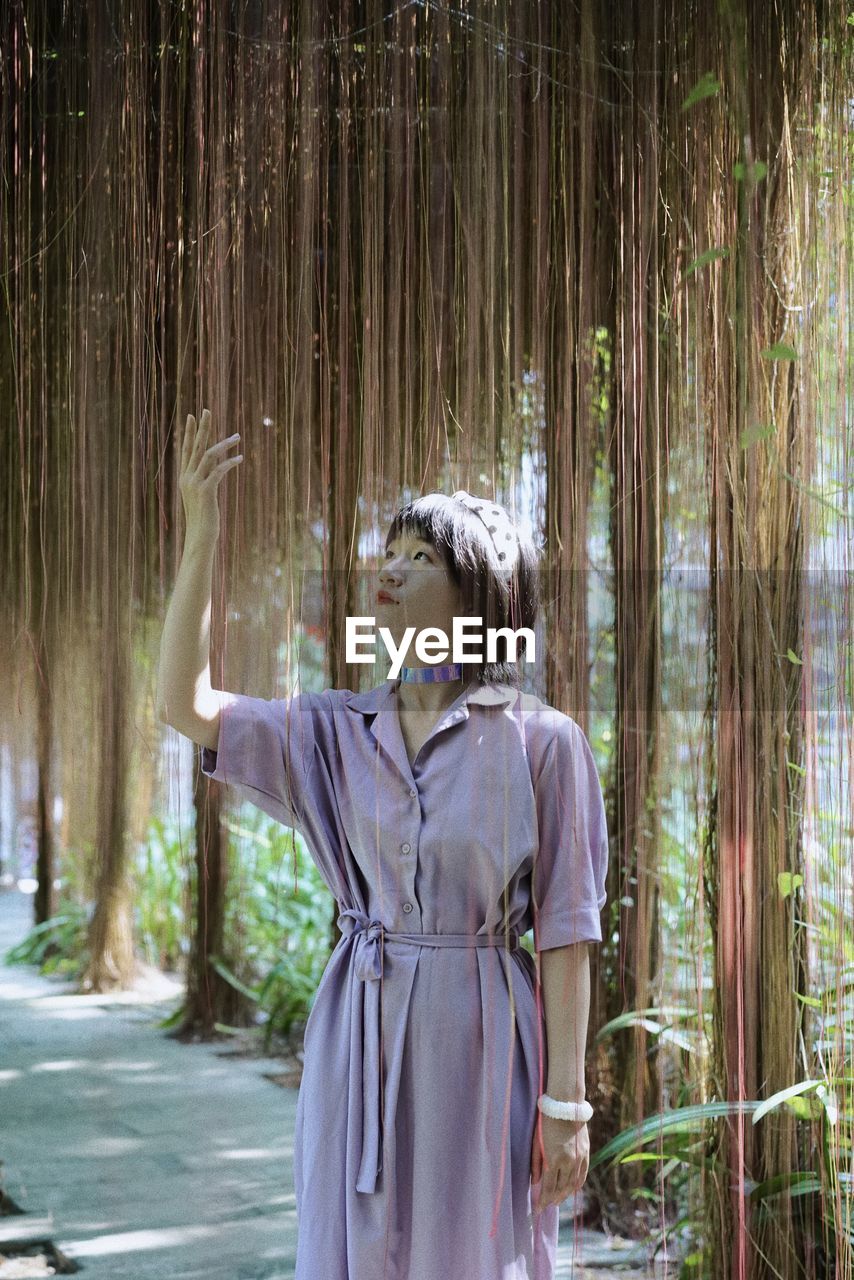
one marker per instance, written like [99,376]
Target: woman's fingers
[201,436]
[212,463]
[195,454]
[202,469]
[186,443]
[215,474]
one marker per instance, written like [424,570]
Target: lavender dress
[425,1050]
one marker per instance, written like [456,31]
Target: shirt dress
[425,1047]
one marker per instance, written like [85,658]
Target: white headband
[503,533]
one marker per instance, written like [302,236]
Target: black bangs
[435,519]
[426,523]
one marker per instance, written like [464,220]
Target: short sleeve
[265,750]
[568,883]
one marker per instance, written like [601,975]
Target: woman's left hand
[563,1159]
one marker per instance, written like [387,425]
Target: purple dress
[425,1047]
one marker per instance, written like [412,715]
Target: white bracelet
[564,1110]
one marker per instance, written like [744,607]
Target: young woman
[448,813]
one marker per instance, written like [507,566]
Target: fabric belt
[369,967]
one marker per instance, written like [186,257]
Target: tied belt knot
[368,964]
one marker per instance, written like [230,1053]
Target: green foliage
[682,1138]
[759,431]
[278,924]
[59,945]
[276,928]
[160,879]
[779,351]
[599,346]
[787,881]
[755,172]
[280,931]
[706,87]
[711,255]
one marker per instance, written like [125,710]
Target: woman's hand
[202,468]
[561,1160]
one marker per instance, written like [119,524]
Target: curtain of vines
[593,259]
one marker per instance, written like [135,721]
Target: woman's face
[423,593]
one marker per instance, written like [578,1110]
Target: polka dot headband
[504,537]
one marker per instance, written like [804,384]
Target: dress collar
[381,704]
[488,695]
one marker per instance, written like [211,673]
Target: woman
[448,813]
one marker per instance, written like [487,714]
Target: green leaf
[779,351]
[786,882]
[793,657]
[706,87]
[782,1095]
[172,1019]
[231,979]
[759,431]
[675,1037]
[711,255]
[801,1108]
[758,170]
[631,1018]
[800,1183]
[679,1120]
[830,1103]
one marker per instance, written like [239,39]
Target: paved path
[140,1157]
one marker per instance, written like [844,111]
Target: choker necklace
[431,675]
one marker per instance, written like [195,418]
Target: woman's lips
[384,598]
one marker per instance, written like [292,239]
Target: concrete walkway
[144,1158]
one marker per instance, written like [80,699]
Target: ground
[142,1158]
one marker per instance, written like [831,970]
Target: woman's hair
[499,597]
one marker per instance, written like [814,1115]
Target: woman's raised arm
[185,698]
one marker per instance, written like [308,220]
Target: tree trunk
[43,907]
[111,958]
[756,570]
[210,998]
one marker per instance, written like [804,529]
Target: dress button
[404,848]
[407,906]
[413,793]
